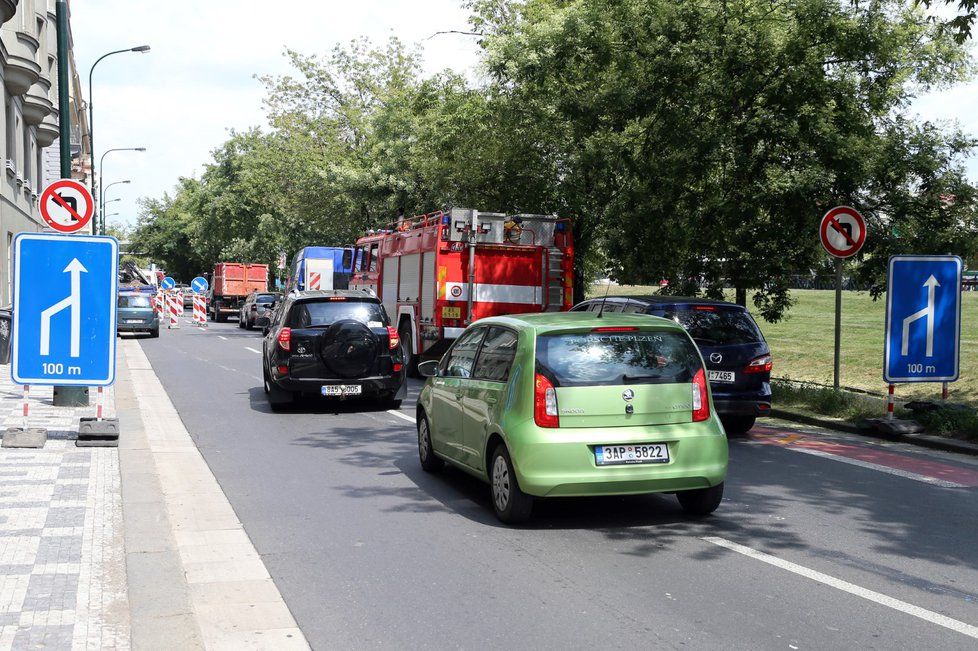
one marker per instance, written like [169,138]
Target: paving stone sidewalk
[62,557]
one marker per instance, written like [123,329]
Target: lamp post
[104,192]
[91,115]
[101,165]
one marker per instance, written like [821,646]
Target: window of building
[28,155]
[11,131]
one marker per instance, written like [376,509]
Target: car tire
[278,398]
[430,462]
[154,333]
[510,503]
[241,321]
[407,350]
[737,425]
[702,501]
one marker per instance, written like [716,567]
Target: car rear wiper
[638,378]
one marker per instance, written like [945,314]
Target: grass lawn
[802,343]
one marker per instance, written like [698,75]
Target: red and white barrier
[158,302]
[175,309]
[180,299]
[889,403]
[200,311]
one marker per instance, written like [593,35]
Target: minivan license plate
[342,389]
[721,376]
[619,455]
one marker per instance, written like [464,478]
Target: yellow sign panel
[451,313]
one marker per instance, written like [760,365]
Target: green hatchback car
[571,404]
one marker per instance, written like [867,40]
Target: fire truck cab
[437,273]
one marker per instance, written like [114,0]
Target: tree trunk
[741,296]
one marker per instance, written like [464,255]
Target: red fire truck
[437,273]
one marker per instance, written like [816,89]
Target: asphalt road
[821,541]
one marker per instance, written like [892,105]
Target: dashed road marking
[401,415]
[853,589]
[257,352]
[222,337]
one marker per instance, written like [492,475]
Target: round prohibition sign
[67,206]
[843,232]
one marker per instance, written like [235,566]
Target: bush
[954,423]
[824,400]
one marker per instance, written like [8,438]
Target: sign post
[64,317]
[843,233]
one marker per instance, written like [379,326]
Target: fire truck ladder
[555,279]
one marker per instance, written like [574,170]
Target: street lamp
[101,164]
[91,115]
[104,191]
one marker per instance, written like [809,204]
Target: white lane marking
[394,412]
[851,588]
[934,481]
[257,352]
[222,337]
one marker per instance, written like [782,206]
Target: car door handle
[458,395]
[490,400]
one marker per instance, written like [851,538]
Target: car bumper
[561,462]
[745,403]
[138,327]
[372,386]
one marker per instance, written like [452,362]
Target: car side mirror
[429,368]
[265,331]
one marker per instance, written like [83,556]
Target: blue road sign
[64,320]
[199,285]
[168,283]
[923,319]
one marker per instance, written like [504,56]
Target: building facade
[29,143]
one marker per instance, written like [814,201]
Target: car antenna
[605,299]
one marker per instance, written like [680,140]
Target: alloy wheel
[423,439]
[500,483]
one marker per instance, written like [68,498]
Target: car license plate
[451,313]
[134,320]
[342,389]
[721,376]
[619,455]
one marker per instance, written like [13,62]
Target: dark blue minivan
[737,357]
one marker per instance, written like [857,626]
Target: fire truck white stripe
[488,293]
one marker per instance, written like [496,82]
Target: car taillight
[761,364]
[283,370]
[398,367]
[701,399]
[545,403]
[394,338]
[285,339]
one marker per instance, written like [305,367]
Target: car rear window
[602,359]
[326,313]
[716,326]
[133,301]
[265,299]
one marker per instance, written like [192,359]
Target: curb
[922,440]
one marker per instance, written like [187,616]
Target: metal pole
[838,321]
[64,101]
[473,238]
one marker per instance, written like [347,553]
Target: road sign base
[70,396]
[94,433]
[33,437]
[895,426]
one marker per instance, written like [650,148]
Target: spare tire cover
[349,348]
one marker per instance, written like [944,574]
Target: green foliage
[697,142]
[956,423]
[824,401]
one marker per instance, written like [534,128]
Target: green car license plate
[621,455]
[342,389]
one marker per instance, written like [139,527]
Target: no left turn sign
[843,232]
[67,206]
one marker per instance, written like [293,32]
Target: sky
[181,99]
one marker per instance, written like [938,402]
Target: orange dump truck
[231,284]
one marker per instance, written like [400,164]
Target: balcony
[37,102]
[47,130]
[20,70]
[7,10]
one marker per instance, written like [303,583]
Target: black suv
[334,344]
[737,358]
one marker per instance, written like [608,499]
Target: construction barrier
[158,303]
[200,311]
[176,309]
[180,299]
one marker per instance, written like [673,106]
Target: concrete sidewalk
[129,547]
